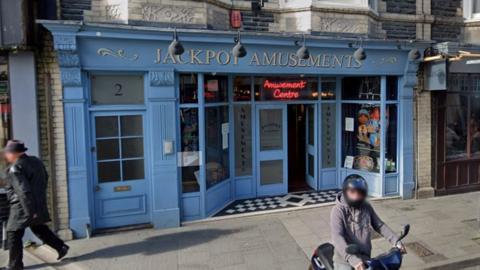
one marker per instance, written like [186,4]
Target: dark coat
[27,193]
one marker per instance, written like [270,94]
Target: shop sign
[281,59]
[287,89]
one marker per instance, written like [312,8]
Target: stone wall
[73,9]
[52,136]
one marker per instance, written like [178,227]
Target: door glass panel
[189,149]
[131,125]
[311,165]
[109,171]
[132,147]
[106,126]
[271,172]
[107,149]
[311,125]
[216,145]
[271,129]
[133,169]
[119,149]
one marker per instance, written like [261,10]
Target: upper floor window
[471,9]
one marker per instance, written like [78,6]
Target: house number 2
[118,90]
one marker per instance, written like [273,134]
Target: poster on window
[328,135]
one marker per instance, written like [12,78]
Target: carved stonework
[113,12]
[65,42]
[161,78]
[163,13]
[338,25]
[68,59]
[71,77]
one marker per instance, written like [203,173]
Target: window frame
[468,13]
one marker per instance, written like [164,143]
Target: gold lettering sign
[225,57]
[280,59]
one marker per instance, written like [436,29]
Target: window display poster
[349,162]
[243,140]
[349,124]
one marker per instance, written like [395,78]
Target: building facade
[144,136]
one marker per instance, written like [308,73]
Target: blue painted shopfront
[182,120]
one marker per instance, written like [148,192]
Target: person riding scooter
[351,221]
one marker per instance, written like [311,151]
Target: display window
[369,122]
[462,117]
[190,150]
[5,110]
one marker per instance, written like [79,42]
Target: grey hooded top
[350,225]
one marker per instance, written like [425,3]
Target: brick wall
[403,7]
[52,138]
[257,21]
[446,32]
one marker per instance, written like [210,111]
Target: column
[162,124]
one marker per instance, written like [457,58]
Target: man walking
[27,195]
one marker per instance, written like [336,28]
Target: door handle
[97,188]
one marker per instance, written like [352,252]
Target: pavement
[445,234]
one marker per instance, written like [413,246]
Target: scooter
[322,258]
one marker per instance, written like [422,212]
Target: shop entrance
[301,147]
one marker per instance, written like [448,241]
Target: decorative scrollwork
[120,53]
[386,61]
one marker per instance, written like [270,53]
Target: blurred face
[11,157]
[355,195]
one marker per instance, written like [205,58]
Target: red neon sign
[285,90]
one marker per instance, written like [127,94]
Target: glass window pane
[133,169]
[311,125]
[108,171]
[391,142]
[361,136]
[216,145]
[475,126]
[132,125]
[107,149]
[242,88]
[188,88]
[243,140]
[392,87]
[216,88]
[271,129]
[132,147]
[311,165]
[456,126]
[329,88]
[106,126]
[361,88]
[189,149]
[117,89]
[329,135]
[271,172]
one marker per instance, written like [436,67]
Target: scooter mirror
[405,231]
[352,249]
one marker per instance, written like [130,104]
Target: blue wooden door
[120,176]
[311,146]
[271,149]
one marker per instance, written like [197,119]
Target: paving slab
[285,240]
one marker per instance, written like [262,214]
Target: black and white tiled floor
[279,202]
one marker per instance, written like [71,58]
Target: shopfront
[160,139]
